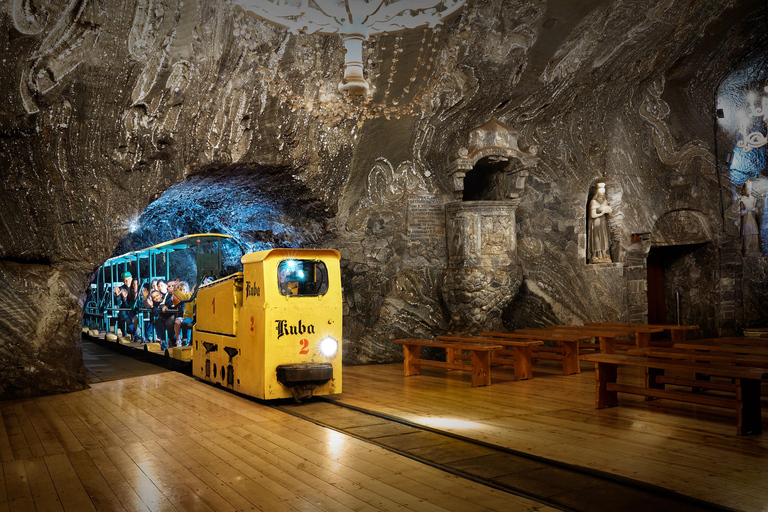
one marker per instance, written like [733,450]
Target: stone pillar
[483,274]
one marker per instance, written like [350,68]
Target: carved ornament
[496,141]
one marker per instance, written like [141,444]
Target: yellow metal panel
[273,329]
[218,305]
[181,353]
[215,357]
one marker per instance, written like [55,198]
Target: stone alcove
[483,273]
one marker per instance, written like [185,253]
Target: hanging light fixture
[355,21]
[758,109]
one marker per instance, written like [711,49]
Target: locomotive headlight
[329,346]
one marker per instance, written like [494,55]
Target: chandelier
[355,21]
[757,110]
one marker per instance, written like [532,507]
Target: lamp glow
[329,346]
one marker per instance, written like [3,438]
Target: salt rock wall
[107,104]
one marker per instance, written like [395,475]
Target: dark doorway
[687,270]
[657,311]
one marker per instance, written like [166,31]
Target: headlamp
[329,346]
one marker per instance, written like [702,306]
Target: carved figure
[599,236]
[750,234]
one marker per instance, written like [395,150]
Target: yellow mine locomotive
[274,329]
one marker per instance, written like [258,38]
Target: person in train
[125,313]
[165,314]
[183,324]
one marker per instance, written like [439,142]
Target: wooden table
[677,332]
[522,351]
[642,333]
[605,337]
[569,345]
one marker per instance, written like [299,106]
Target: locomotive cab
[274,329]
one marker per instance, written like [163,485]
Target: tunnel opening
[230,211]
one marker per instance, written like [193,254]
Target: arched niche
[681,227]
[492,166]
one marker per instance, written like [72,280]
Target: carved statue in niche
[750,234]
[599,234]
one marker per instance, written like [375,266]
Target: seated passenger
[125,313]
[165,315]
[182,293]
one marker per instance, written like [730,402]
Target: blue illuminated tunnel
[260,210]
[748,165]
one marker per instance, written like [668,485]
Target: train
[271,329]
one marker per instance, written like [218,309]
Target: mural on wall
[741,130]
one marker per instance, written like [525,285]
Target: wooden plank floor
[167,442]
[687,448]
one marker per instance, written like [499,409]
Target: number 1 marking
[213,303]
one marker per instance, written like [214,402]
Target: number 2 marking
[304,346]
[251,324]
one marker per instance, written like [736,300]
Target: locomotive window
[302,278]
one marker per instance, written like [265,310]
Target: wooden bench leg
[411,354]
[607,344]
[705,378]
[605,373]
[748,419]
[643,339]
[523,364]
[450,355]
[481,368]
[678,336]
[651,380]
[570,357]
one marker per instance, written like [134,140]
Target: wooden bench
[606,339]
[746,401]
[480,356]
[642,333]
[701,382]
[522,351]
[568,351]
[746,341]
[708,346]
[677,332]
[702,357]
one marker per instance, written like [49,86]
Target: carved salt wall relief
[394,254]
[654,110]
[71,35]
[483,273]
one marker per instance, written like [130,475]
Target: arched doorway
[680,270]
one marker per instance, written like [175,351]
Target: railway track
[558,485]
